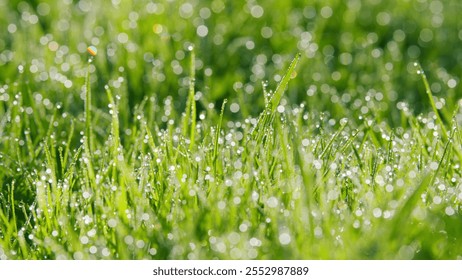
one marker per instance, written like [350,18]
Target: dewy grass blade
[217,135]
[13,208]
[88,141]
[428,90]
[189,118]
[266,117]
[114,123]
[276,98]
[336,135]
[88,126]
[68,145]
[192,81]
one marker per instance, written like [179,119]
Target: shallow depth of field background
[350,49]
[359,65]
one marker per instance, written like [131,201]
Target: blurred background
[357,56]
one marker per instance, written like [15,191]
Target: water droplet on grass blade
[272,202]
[93,250]
[284,238]
[112,223]
[377,212]
[449,211]
[84,240]
[318,233]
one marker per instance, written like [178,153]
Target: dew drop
[284,238]
[272,202]
[449,211]
[377,212]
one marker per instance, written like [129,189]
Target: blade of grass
[266,117]
[217,136]
[429,93]
[276,98]
[189,120]
[88,126]
[192,79]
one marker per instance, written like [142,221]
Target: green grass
[230,130]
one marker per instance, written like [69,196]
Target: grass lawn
[230,129]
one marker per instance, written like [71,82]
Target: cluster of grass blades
[165,146]
[287,184]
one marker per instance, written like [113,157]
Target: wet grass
[189,139]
